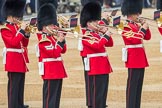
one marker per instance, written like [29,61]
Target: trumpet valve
[33,29]
[30,29]
[27,29]
[76,34]
[159,23]
[120,31]
[108,19]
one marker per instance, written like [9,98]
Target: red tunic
[49,48]
[98,65]
[136,56]
[160,30]
[14,39]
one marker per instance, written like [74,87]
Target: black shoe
[26,106]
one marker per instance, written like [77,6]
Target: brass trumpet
[159,21]
[120,30]
[127,34]
[29,28]
[63,21]
[74,33]
[142,20]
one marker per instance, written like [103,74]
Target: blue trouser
[52,93]
[16,83]
[134,87]
[96,90]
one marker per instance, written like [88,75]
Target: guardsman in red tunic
[15,51]
[134,51]
[94,56]
[50,47]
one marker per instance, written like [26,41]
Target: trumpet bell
[120,31]
[120,28]
[159,21]
[121,25]
[77,29]
[30,29]
[76,34]
[63,21]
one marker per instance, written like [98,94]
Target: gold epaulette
[4,27]
[130,33]
[126,25]
[92,41]
[44,39]
[90,37]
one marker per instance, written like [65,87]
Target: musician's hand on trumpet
[23,25]
[103,29]
[51,29]
[108,33]
[30,28]
[143,23]
[145,26]
[61,37]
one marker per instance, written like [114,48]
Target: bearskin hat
[130,7]
[14,8]
[46,16]
[90,12]
[54,2]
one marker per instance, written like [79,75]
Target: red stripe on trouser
[94,101]
[10,91]
[48,94]
[128,94]
[88,91]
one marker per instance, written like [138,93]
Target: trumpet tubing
[159,22]
[30,29]
[120,30]
[141,21]
[145,18]
[63,21]
[74,34]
